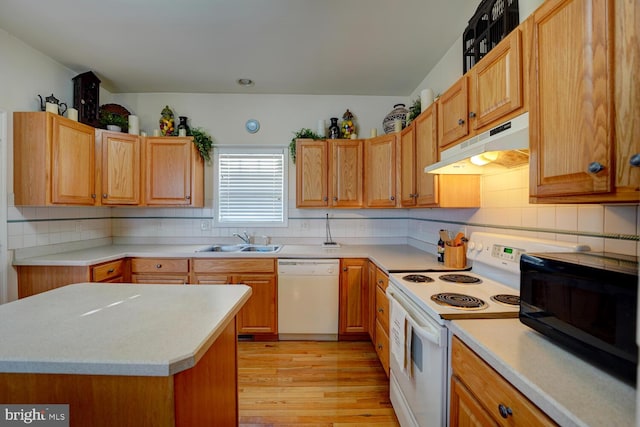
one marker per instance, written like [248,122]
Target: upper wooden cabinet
[492,91]
[453,112]
[119,167]
[329,173]
[54,161]
[419,148]
[380,171]
[496,82]
[585,98]
[174,172]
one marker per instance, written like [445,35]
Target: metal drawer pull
[111,270]
[158,265]
[635,160]
[595,167]
[380,310]
[505,411]
[460,122]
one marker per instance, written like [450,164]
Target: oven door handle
[427,332]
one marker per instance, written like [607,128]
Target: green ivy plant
[109,118]
[414,110]
[203,142]
[303,133]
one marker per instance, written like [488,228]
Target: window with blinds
[251,187]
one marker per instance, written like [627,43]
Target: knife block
[455,256]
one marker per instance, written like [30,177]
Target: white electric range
[421,303]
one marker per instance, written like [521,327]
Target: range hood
[503,147]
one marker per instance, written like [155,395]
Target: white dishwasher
[308,299]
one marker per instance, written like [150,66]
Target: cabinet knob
[380,347]
[188,197]
[380,310]
[471,115]
[325,198]
[111,270]
[505,411]
[335,199]
[158,265]
[345,269]
[392,198]
[635,160]
[595,167]
[93,196]
[460,122]
[380,282]
[105,195]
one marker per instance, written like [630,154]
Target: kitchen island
[123,354]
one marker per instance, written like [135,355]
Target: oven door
[418,372]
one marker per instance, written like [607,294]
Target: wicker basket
[493,20]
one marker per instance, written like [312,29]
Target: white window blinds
[251,187]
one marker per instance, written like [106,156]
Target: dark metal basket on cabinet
[493,20]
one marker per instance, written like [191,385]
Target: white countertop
[569,390]
[115,329]
[388,257]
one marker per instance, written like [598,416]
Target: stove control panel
[507,253]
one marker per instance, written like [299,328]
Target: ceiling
[329,47]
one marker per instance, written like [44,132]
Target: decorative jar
[399,112]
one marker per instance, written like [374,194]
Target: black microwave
[587,303]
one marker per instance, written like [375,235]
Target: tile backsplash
[505,209]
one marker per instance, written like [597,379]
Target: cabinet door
[380,172]
[371,290]
[259,314]
[571,136]
[408,166]
[453,111]
[382,347]
[160,279]
[465,409]
[346,173]
[496,82]
[73,163]
[426,154]
[311,174]
[120,168]
[168,171]
[212,279]
[354,297]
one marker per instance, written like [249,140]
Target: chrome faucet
[244,237]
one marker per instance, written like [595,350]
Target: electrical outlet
[205,225]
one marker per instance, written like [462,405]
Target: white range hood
[498,149]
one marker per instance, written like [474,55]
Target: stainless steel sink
[261,248]
[240,248]
[221,248]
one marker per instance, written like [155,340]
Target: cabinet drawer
[382,308]
[493,391]
[108,271]
[382,346]
[234,265]
[160,279]
[159,265]
[382,280]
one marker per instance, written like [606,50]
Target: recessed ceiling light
[245,82]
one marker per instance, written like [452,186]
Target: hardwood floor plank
[309,383]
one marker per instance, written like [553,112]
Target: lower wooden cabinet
[259,316]
[481,397]
[353,322]
[170,271]
[382,319]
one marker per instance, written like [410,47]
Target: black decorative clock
[86,92]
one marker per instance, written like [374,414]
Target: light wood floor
[306,383]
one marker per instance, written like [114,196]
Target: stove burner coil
[506,299]
[460,278]
[466,302]
[417,278]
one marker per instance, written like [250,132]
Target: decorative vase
[114,128]
[183,127]
[399,112]
[348,127]
[334,129]
[166,121]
